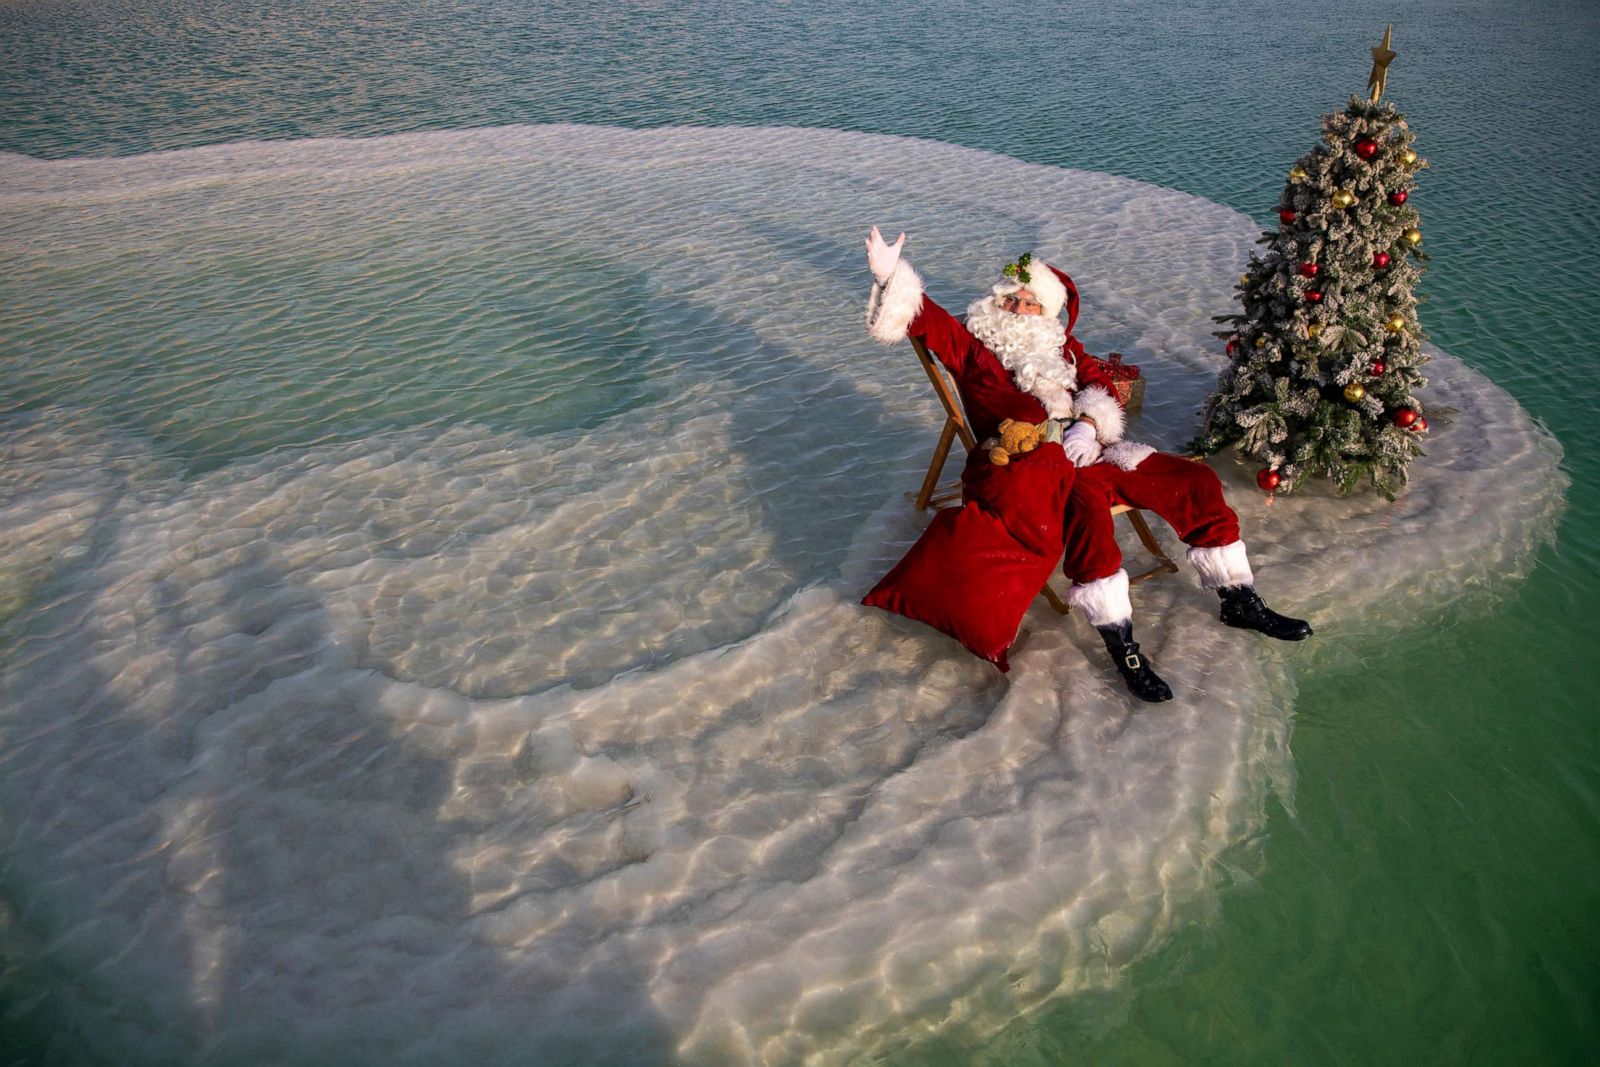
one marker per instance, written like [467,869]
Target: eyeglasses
[1013,302]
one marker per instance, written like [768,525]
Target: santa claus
[975,570]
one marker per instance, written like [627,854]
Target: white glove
[882,257]
[1080,445]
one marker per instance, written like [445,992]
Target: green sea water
[1434,893]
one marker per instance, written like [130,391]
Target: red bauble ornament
[1380,260]
[1398,197]
[1309,270]
[1267,479]
[1286,216]
[1233,347]
[1377,368]
[1313,296]
[1366,148]
[1420,426]
[1404,417]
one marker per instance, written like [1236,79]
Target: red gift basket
[1128,381]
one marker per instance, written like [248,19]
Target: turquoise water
[1432,895]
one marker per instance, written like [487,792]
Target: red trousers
[1188,495]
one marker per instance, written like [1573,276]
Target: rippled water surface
[430,559]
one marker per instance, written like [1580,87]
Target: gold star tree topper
[1382,56]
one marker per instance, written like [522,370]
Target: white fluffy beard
[1029,346]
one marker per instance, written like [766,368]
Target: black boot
[1242,608]
[1134,668]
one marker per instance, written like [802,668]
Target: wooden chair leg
[1142,528]
[1055,601]
[940,453]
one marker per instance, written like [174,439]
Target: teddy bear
[1016,439]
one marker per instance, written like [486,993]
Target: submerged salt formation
[430,619]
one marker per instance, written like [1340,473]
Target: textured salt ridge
[520,745]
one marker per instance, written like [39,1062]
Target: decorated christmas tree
[1326,351]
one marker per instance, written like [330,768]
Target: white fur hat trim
[1042,283]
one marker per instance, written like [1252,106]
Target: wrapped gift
[1128,381]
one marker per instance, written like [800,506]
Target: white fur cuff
[1103,408]
[1128,454]
[1222,567]
[894,304]
[1104,601]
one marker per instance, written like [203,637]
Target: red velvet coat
[975,570]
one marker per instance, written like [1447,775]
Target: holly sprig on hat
[1019,269]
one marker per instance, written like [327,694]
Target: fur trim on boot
[1221,567]
[1104,601]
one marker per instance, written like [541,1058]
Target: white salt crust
[450,742]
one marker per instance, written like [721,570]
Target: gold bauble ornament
[1314,329]
[1354,392]
[1395,323]
[1261,342]
[1344,198]
[1298,174]
[1244,279]
[1408,157]
[1413,237]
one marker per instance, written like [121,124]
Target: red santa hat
[1036,277]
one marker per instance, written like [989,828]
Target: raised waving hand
[882,257]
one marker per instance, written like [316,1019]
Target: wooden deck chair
[955,425]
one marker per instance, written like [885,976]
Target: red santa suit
[963,576]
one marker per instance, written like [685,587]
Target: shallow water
[1424,889]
